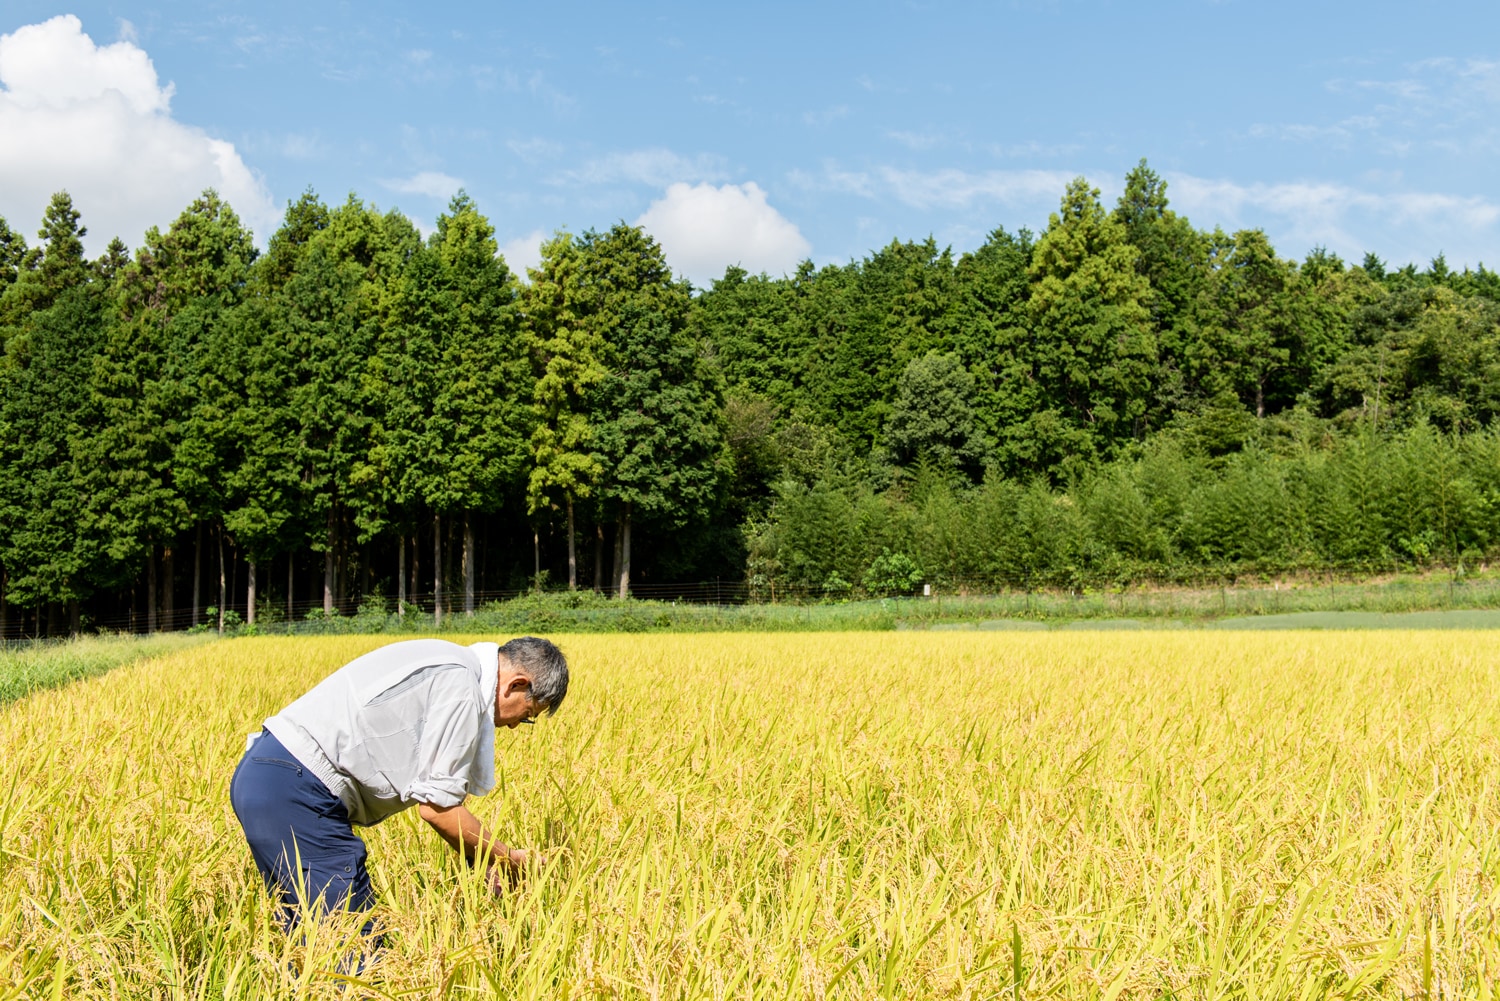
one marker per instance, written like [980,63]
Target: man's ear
[517,683]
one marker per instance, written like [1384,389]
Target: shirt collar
[482,778]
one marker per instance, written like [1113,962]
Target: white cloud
[947,187]
[1032,149]
[431,183]
[523,253]
[534,150]
[1376,213]
[289,145]
[1401,225]
[1441,81]
[952,188]
[300,146]
[703,229]
[918,140]
[657,168]
[1444,106]
[825,117]
[537,85]
[95,120]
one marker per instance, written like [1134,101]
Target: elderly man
[409,724]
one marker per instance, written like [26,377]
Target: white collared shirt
[411,722]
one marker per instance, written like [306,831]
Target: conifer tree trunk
[468,565]
[598,557]
[401,574]
[223,582]
[151,589]
[450,533]
[291,584]
[614,570]
[341,568]
[75,615]
[536,557]
[416,560]
[328,568]
[168,604]
[4,605]
[197,570]
[572,550]
[366,574]
[625,553]
[437,569]
[250,595]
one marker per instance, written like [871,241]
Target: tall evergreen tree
[333,304]
[1174,260]
[157,461]
[1252,323]
[12,256]
[42,274]
[992,332]
[1093,353]
[565,346]
[887,310]
[480,414]
[51,554]
[656,415]
[750,324]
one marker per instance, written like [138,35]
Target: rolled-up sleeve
[446,748]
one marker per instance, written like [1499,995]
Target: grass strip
[31,666]
[1409,601]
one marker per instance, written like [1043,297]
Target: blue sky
[765,134]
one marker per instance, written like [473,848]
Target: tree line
[364,414]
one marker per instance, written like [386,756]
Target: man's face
[513,716]
[513,702]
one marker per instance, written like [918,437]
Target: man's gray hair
[544,664]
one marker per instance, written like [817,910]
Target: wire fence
[1195,594]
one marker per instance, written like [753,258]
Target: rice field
[1112,815]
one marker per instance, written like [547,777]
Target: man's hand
[503,877]
[470,838]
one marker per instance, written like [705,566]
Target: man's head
[533,678]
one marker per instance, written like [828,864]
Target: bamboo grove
[363,414]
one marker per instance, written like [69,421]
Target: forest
[361,415]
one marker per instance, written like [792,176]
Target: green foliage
[159,453]
[479,422]
[1121,398]
[655,414]
[1094,351]
[932,417]
[1172,255]
[1367,503]
[566,346]
[54,545]
[12,256]
[892,574]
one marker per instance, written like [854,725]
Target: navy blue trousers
[299,834]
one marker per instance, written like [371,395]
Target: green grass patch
[1408,601]
[30,666]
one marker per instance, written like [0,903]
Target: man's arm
[470,838]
